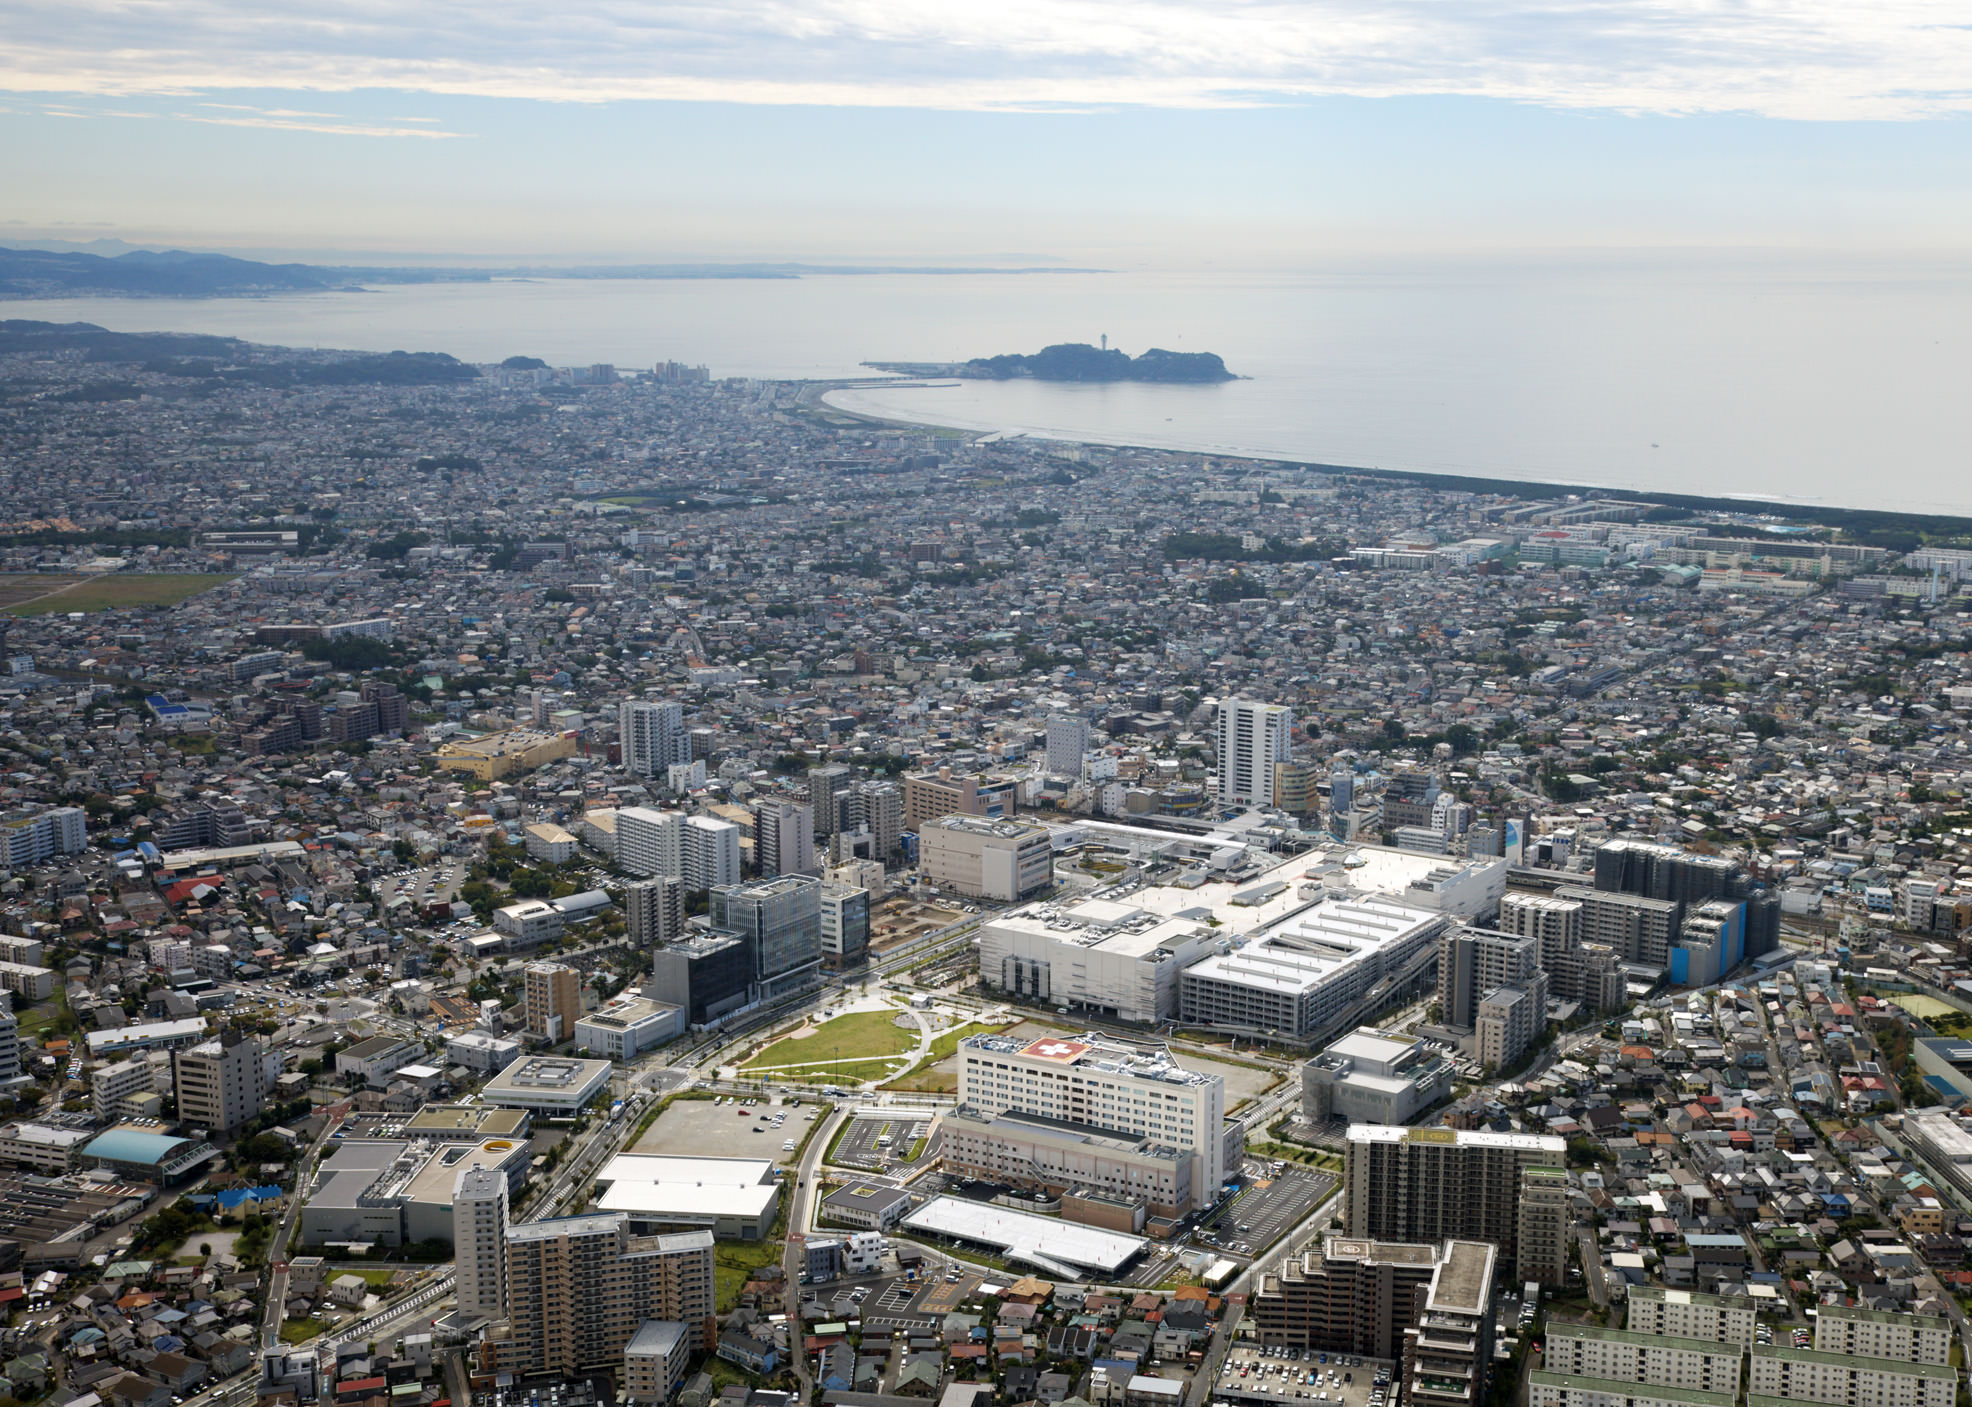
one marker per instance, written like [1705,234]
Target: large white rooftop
[1044,1241]
[656,1185]
[1312,945]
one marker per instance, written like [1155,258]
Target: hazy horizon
[1149,135]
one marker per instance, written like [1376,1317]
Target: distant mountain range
[143,273]
[1077,361]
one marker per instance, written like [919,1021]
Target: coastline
[1793,510]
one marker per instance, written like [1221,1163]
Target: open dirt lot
[898,921]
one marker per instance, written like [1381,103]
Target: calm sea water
[1845,387]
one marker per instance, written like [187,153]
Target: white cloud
[1807,59]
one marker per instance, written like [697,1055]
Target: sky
[1112,133]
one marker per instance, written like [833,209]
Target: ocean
[1841,385]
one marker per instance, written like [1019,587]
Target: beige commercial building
[929,795]
[500,755]
[1003,860]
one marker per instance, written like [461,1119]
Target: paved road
[800,1218]
[277,1252]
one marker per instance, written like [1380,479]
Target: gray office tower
[708,974]
[1341,801]
[781,921]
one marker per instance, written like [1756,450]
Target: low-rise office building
[557,1086]
[629,1026]
[1368,1077]
[1035,1152]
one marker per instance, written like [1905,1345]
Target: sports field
[1922,1007]
[35,595]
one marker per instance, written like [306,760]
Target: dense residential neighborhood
[582,886]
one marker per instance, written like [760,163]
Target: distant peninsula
[1077,361]
[174,273]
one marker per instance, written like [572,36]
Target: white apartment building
[1878,1333]
[784,838]
[1688,1314]
[650,842]
[38,837]
[1068,744]
[479,1242]
[1586,1351]
[1100,956]
[1546,1389]
[655,909]
[1103,1085]
[10,1046]
[1809,1375]
[983,858]
[711,852]
[652,735]
[701,850]
[548,841]
[1251,738]
[34,983]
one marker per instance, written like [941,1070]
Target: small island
[1077,361]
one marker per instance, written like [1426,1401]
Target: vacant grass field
[16,587]
[861,1035]
[301,1330]
[112,592]
[733,1264]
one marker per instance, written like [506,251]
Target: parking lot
[706,1128]
[1300,1376]
[1266,1211]
[878,1145]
